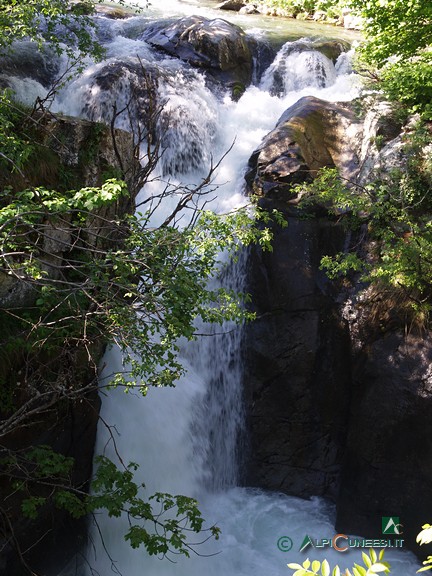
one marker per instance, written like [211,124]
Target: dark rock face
[339,395]
[310,135]
[298,369]
[26,61]
[218,47]
[387,469]
[55,536]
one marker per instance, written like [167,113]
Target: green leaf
[325,568]
[367,561]
[378,567]
[425,535]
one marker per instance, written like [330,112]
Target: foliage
[160,522]
[144,294]
[49,21]
[373,564]
[395,27]
[294,7]
[398,37]
[395,213]
[410,83]
[425,537]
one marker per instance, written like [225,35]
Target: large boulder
[310,135]
[216,46]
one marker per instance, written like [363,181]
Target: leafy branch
[373,564]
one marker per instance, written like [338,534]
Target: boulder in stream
[310,135]
[216,46]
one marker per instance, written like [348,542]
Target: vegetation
[398,35]
[297,8]
[393,214]
[92,273]
[425,537]
[373,564]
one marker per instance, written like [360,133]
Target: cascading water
[298,65]
[187,440]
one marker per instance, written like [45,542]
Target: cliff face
[298,363]
[49,398]
[338,386]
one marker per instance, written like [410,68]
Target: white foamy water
[187,440]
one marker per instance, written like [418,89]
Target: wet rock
[26,60]
[114,12]
[216,46]
[310,135]
[339,389]
[234,5]
[54,537]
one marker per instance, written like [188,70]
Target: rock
[298,365]
[310,135]
[249,9]
[387,468]
[234,5]
[71,431]
[216,46]
[73,153]
[114,12]
[76,153]
[27,61]
[319,15]
[352,22]
[382,143]
[332,48]
[338,389]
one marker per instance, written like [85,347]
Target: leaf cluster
[395,213]
[398,41]
[425,537]
[160,522]
[49,22]
[373,564]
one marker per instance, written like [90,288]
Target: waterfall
[298,65]
[188,440]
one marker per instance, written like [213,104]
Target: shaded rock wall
[387,467]
[298,366]
[338,389]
